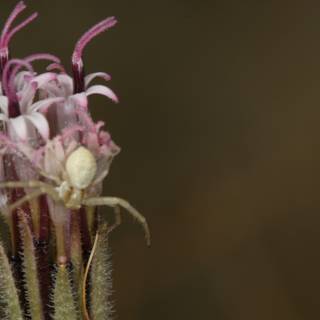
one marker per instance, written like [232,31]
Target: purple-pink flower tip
[9,75]
[97,29]
[7,34]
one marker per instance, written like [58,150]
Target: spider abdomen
[81,168]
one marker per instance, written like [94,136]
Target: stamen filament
[20,26]
[8,84]
[14,14]
[77,63]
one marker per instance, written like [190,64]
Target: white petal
[20,127]
[66,83]
[26,97]
[90,77]
[51,89]
[80,99]
[3,117]
[4,104]
[102,90]
[40,122]
[43,105]
[20,81]
[44,78]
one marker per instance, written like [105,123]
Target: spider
[79,176]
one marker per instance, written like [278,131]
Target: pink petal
[92,76]
[102,90]
[43,105]
[40,122]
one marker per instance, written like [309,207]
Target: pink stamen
[7,77]
[42,56]
[77,64]
[8,37]
[14,14]
[89,35]
[56,66]
[8,83]
[27,62]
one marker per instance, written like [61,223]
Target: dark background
[219,129]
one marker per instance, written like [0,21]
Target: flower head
[21,113]
[53,160]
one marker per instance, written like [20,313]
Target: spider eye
[81,168]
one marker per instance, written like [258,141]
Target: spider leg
[29,196]
[24,199]
[118,202]
[117,219]
[24,184]
[50,177]
[41,186]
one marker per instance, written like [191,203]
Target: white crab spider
[79,175]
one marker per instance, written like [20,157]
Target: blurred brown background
[219,129]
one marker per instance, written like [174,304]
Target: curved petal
[26,97]
[4,104]
[40,122]
[66,83]
[3,117]
[91,76]
[20,79]
[20,127]
[102,90]
[44,78]
[51,89]
[43,105]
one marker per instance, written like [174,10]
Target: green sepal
[10,305]
[100,275]
[63,300]
[30,272]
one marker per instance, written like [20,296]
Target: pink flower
[20,89]
[64,87]
[99,142]
[76,90]
[50,159]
